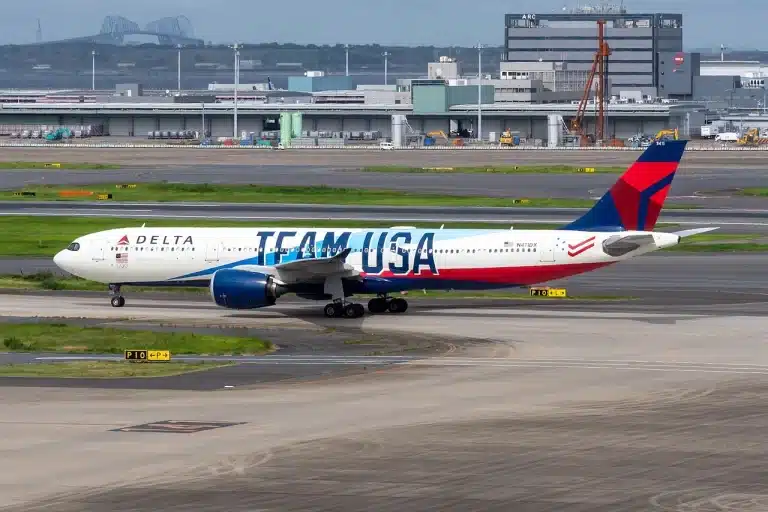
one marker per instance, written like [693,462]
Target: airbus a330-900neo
[249,268]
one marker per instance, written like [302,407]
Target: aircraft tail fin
[635,201]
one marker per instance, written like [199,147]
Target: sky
[738,24]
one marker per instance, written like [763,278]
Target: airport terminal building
[636,42]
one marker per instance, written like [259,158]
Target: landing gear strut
[387,304]
[118,300]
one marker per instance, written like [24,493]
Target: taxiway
[544,409]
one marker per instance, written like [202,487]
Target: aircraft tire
[354,310]
[398,306]
[377,305]
[333,310]
[118,302]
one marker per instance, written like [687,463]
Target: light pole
[386,62]
[479,92]
[93,70]
[178,71]
[236,47]
[346,57]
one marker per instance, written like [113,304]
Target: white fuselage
[415,258]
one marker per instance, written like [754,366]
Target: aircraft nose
[60,260]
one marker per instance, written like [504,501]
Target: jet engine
[240,289]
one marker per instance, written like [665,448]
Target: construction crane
[599,68]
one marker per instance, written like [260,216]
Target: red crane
[599,68]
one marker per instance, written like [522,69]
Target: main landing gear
[378,305]
[118,300]
[339,309]
[387,305]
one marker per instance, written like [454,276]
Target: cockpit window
[74,246]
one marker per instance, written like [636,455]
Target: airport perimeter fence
[107,145]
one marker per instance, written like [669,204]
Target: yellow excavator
[752,138]
[667,134]
[506,138]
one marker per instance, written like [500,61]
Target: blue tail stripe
[645,200]
[604,216]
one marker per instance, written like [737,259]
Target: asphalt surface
[737,220]
[711,187]
[331,158]
[544,410]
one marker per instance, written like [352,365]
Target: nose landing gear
[118,300]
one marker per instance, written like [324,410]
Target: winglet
[635,201]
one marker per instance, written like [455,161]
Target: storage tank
[296,124]
[398,128]
[285,128]
[554,122]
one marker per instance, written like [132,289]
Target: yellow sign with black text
[147,355]
[548,292]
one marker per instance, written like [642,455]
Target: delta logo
[123,241]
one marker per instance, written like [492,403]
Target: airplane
[251,268]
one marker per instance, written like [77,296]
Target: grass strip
[37,337]
[57,165]
[496,169]
[754,191]
[104,369]
[204,192]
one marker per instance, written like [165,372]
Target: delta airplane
[249,268]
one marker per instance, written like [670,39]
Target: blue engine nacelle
[240,289]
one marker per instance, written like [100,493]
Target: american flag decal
[121,258]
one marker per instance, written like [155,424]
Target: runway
[734,220]
[710,187]
[542,409]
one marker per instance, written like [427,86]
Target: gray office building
[636,40]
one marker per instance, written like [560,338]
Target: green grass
[74,339]
[45,236]
[58,165]
[48,281]
[493,169]
[757,191]
[103,369]
[180,192]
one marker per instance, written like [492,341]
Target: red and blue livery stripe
[636,199]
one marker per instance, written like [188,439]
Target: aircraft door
[97,250]
[212,251]
[547,251]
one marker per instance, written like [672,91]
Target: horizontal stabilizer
[691,232]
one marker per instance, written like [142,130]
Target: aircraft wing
[318,267]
